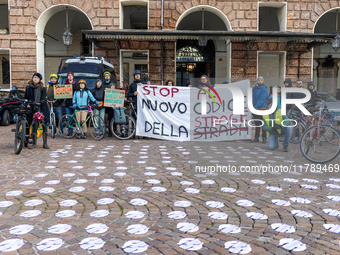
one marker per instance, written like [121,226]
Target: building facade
[259,38]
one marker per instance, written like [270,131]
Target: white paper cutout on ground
[258,181]
[332,227]
[290,180]
[77,189]
[27,182]
[118,156]
[244,202]
[310,180]
[134,214]
[96,228]
[229,229]
[158,189]
[40,175]
[106,188]
[98,161]
[49,167]
[209,182]
[5,203]
[105,201]
[332,212]
[283,228]
[228,190]
[176,173]
[300,200]
[11,245]
[334,179]
[214,204]
[80,181]
[150,168]
[65,213]
[271,188]
[33,202]
[99,213]
[72,161]
[302,214]
[77,156]
[149,173]
[135,246]
[190,244]
[69,175]
[77,167]
[120,174]
[153,181]
[93,174]
[187,227]
[237,247]
[100,167]
[52,161]
[21,229]
[182,203]
[59,228]
[171,168]
[46,190]
[52,182]
[69,202]
[334,198]
[133,189]
[280,202]
[91,243]
[307,186]
[31,213]
[333,186]
[192,190]
[108,181]
[14,193]
[292,244]
[176,215]
[138,201]
[218,215]
[256,216]
[186,183]
[137,229]
[119,162]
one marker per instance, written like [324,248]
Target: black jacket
[99,93]
[132,89]
[29,95]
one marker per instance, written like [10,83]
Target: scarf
[37,92]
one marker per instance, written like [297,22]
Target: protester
[107,81]
[98,93]
[204,80]
[288,84]
[57,106]
[298,95]
[36,92]
[313,93]
[260,97]
[275,128]
[169,83]
[148,81]
[80,98]
[278,96]
[188,84]
[68,102]
[132,91]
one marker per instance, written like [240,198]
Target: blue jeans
[101,113]
[58,112]
[273,139]
[70,111]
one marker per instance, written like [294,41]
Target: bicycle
[22,128]
[320,143]
[70,122]
[126,130]
[52,125]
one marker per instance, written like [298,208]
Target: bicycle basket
[21,110]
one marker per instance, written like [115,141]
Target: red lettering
[173,91]
[146,88]
[200,92]
[153,87]
[197,120]
[160,91]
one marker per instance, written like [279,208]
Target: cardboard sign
[114,98]
[63,91]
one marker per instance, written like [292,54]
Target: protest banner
[114,98]
[63,91]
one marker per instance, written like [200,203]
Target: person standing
[313,93]
[260,96]
[298,95]
[169,83]
[132,91]
[148,81]
[98,93]
[79,100]
[68,102]
[107,83]
[57,106]
[276,129]
[36,92]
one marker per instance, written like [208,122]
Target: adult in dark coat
[36,92]
[68,102]
[132,91]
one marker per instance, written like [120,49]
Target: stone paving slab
[77,180]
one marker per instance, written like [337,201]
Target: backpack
[119,115]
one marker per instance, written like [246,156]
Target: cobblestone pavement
[145,196]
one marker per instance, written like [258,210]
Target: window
[272,16]
[86,48]
[135,17]
[4,18]
[271,66]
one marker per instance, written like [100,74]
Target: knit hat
[260,77]
[310,83]
[38,75]
[98,80]
[70,73]
[289,81]
[53,76]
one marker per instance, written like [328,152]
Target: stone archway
[78,20]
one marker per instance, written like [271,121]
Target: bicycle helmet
[82,81]
[108,73]
[54,76]
[14,87]
[136,72]
[38,117]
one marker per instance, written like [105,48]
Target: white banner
[176,113]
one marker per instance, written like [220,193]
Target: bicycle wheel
[53,124]
[123,131]
[297,133]
[320,144]
[20,136]
[97,127]
[68,124]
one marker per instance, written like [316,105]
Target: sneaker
[69,134]
[98,136]
[255,140]
[285,149]
[84,136]
[78,136]
[264,140]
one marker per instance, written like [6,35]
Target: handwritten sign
[114,98]
[63,91]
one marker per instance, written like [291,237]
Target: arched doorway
[325,58]
[193,58]
[50,27]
